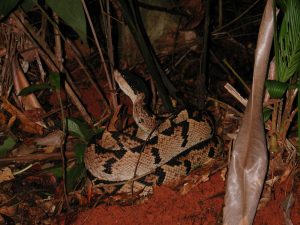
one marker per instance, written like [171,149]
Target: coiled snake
[174,147]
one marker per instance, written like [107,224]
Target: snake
[153,151]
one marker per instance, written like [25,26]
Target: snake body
[174,147]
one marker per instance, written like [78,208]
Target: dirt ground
[201,205]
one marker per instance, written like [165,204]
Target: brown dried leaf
[54,139]
[3,123]
[248,164]
[43,181]
[29,102]
[113,122]
[196,9]
[6,174]
[34,115]
[287,207]
[27,124]
[30,54]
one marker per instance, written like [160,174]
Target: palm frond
[288,57]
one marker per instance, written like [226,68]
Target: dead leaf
[8,210]
[266,196]
[287,207]
[30,55]
[43,181]
[248,165]
[26,124]
[6,174]
[3,122]
[195,8]
[286,173]
[23,149]
[114,119]
[54,139]
[29,102]
[35,114]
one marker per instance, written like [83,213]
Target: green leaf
[74,174]
[56,171]
[33,88]
[54,79]
[267,112]
[7,145]
[6,6]
[276,88]
[80,129]
[79,149]
[287,43]
[27,5]
[72,13]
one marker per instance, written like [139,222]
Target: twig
[237,18]
[34,157]
[49,59]
[291,95]
[203,67]
[108,77]
[23,170]
[76,54]
[235,94]
[220,10]
[58,54]
[237,75]
[225,105]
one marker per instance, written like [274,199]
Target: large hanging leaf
[287,44]
[28,5]
[72,13]
[248,165]
[6,6]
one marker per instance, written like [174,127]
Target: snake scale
[153,151]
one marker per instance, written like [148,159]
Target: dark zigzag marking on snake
[139,148]
[103,151]
[145,182]
[169,131]
[198,147]
[188,166]
[108,165]
[156,155]
[160,173]
[184,133]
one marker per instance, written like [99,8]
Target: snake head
[133,86]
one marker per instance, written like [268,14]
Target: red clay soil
[201,205]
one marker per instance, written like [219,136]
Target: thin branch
[237,18]
[108,76]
